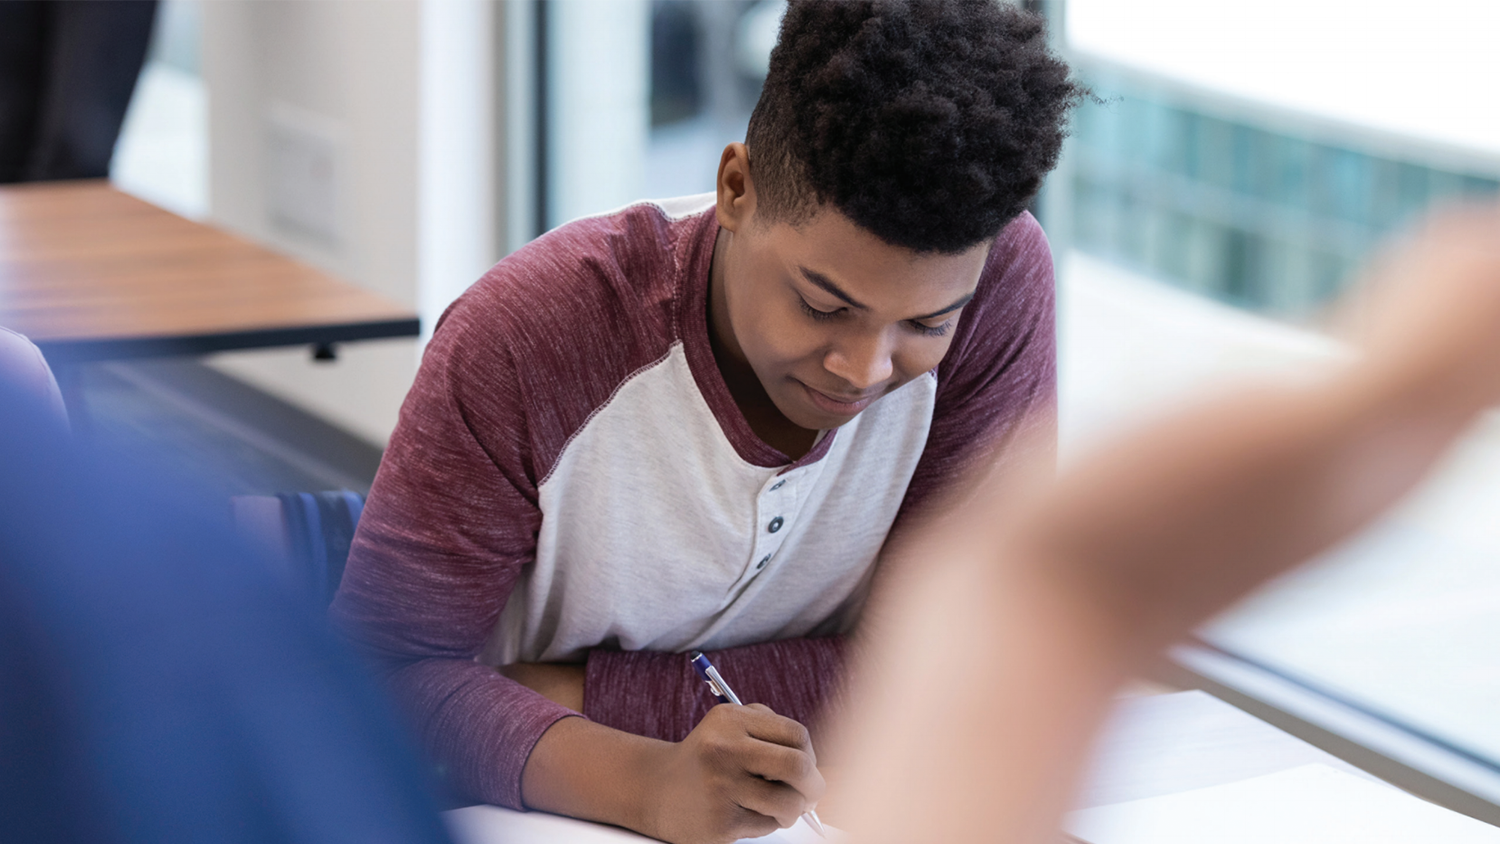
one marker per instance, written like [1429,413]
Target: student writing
[696,424]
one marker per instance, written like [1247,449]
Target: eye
[931,330]
[814,312]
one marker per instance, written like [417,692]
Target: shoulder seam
[596,411]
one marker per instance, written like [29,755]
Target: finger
[762,723]
[751,824]
[786,765]
[774,800]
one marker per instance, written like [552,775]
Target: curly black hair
[929,123]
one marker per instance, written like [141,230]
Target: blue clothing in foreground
[157,685]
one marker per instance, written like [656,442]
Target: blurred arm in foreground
[1011,649]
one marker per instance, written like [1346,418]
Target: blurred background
[1237,167]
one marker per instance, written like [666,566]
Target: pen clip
[711,676]
[721,688]
[718,692]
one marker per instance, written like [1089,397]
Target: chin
[799,414]
[814,419]
[804,410]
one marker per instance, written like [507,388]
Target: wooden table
[90,273]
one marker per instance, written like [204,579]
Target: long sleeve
[660,695]
[450,522]
[997,387]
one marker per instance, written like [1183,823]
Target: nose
[863,361]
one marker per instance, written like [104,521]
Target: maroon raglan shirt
[571,481]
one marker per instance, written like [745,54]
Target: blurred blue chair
[22,365]
[156,687]
[306,535]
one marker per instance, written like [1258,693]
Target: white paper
[494,825]
[1312,804]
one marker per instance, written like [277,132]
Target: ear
[736,200]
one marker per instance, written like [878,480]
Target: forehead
[884,277]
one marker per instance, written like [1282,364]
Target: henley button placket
[773,498]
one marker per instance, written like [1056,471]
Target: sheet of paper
[494,825]
[1312,804]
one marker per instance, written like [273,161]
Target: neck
[749,395]
[733,365]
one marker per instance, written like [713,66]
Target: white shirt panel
[654,529]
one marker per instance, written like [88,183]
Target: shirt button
[777,485]
[775,524]
[762,564]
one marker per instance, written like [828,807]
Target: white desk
[1165,744]
[1155,745]
[493,825]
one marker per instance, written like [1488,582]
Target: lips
[835,404]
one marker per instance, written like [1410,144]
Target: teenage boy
[694,424]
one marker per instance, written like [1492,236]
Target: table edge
[84,350]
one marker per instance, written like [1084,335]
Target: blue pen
[721,690]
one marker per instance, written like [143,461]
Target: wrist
[590,771]
[649,791]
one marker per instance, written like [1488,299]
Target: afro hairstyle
[929,123]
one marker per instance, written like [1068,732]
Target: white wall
[461,213]
[389,110]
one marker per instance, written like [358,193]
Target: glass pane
[708,60]
[1271,196]
[1221,200]
[162,151]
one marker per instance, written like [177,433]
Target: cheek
[919,356]
[778,340]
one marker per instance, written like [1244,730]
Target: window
[1183,188]
[1243,163]
[162,152]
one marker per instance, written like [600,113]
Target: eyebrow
[958,303]
[832,289]
[827,285]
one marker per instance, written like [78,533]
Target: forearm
[997,665]
[991,682]
[658,695]
[478,725]
[1035,611]
[1176,523]
[1198,510]
[802,679]
[590,771]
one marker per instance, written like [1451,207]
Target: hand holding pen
[721,690]
[742,772]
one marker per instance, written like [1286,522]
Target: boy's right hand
[743,772]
